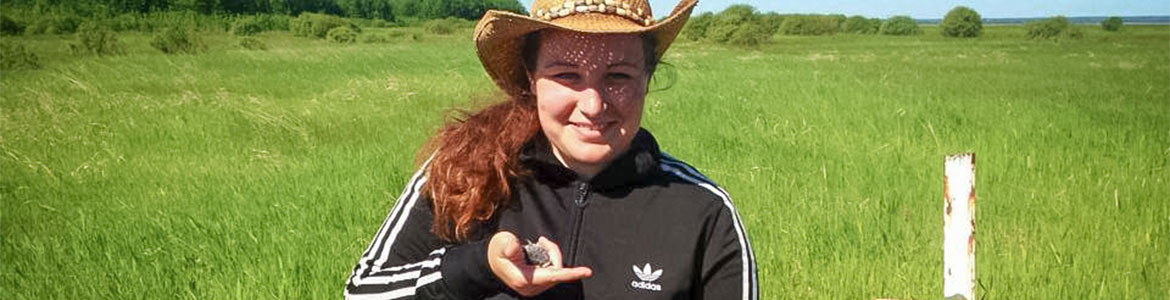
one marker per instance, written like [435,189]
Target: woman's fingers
[503,250]
[552,276]
[509,245]
[554,251]
[556,273]
[506,259]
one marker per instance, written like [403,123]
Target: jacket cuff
[466,272]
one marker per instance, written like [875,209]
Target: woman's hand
[506,259]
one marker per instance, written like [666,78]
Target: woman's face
[589,93]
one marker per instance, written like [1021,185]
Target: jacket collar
[631,167]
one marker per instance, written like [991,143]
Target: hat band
[613,7]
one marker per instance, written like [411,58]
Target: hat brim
[499,43]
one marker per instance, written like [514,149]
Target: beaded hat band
[499,43]
[637,11]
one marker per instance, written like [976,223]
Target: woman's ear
[531,81]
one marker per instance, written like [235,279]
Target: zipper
[581,201]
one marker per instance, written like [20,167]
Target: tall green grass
[263,174]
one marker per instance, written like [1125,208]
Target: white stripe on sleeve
[371,270]
[688,173]
[401,206]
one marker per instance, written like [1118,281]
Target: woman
[563,162]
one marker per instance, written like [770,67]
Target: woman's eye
[566,76]
[619,76]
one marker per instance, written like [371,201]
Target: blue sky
[927,9]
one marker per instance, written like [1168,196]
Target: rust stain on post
[959,226]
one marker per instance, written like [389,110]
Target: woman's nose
[589,102]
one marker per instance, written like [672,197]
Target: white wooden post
[959,227]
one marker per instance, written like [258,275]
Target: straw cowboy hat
[499,43]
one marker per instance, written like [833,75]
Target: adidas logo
[647,277]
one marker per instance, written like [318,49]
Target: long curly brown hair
[473,157]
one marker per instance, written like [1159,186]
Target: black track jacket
[649,225]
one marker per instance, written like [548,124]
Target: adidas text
[646,286]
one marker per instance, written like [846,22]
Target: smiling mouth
[592,131]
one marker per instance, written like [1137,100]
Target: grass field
[263,174]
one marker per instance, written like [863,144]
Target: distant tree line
[389,10]
[743,25]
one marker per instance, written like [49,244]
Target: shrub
[730,20]
[861,25]
[54,24]
[720,32]
[811,25]
[35,27]
[94,38]
[15,56]
[67,24]
[440,26]
[300,25]
[1112,24]
[246,26]
[342,34]
[157,21]
[324,24]
[124,22]
[161,20]
[900,25]
[8,26]
[176,40]
[1056,27]
[738,25]
[771,22]
[317,25]
[252,43]
[273,22]
[962,21]
[696,28]
[750,34]
[1047,28]
[739,13]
